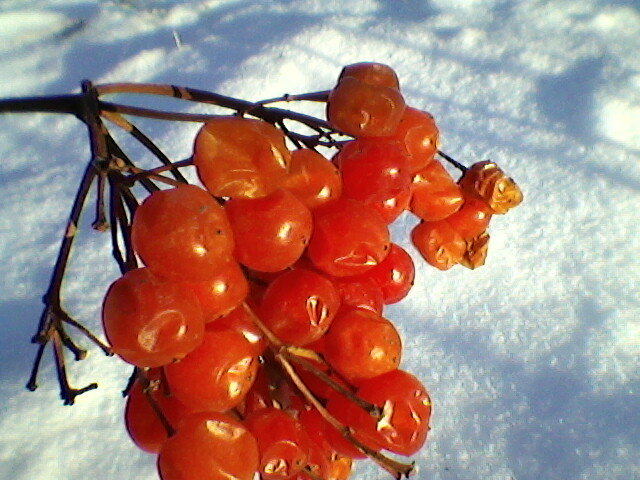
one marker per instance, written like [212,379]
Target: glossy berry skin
[434,193]
[339,468]
[299,305]
[283,444]
[391,208]
[371,73]
[240,321]
[373,169]
[321,451]
[149,322]
[472,219]
[260,395]
[209,446]
[316,385]
[350,415]
[182,234]
[313,179]
[419,135]
[360,291]
[221,294]
[394,275]
[271,232]
[348,238]
[363,110]
[217,375]
[240,157]
[361,344]
[143,424]
[406,411]
[439,244]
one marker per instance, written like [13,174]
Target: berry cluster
[256,325]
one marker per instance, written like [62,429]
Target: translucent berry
[211,446]
[149,322]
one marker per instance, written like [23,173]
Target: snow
[532,361]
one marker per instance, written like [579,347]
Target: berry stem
[373,410]
[274,341]
[321,96]
[269,114]
[452,161]
[100,223]
[395,468]
[130,128]
[149,386]
[154,171]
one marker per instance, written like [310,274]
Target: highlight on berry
[251,305]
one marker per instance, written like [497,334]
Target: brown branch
[130,128]
[395,468]
[50,104]
[67,393]
[269,114]
[373,410]
[321,96]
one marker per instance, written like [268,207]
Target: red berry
[472,219]
[487,182]
[373,169]
[434,193]
[439,244]
[283,444]
[394,274]
[360,291]
[149,322]
[271,232]
[211,446]
[143,422]
[372,74]
[217,375]
[313,179]
[406,411]
[418,133]
[182,234]
[348,238]
[391,208]
[361,344]
[240,321]
[299,305]
[240,157]
[221,294]
[364,110]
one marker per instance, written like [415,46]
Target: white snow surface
[532,361]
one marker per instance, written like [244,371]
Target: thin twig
[67,393]
[321,96]
[87,333]
[130,128]
[373,410]
[395,468]
[452,161]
